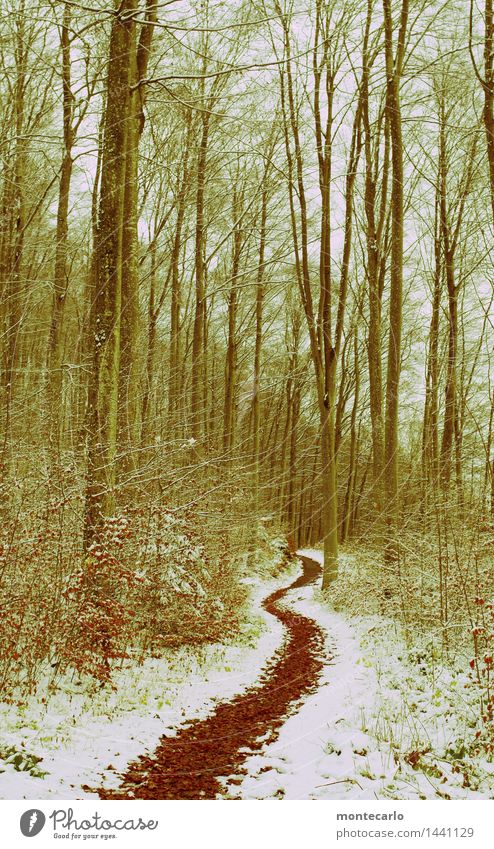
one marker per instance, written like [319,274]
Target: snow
[89,738]
[380,726]
[350,738]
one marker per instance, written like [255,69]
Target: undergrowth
[441,610]
[157,578]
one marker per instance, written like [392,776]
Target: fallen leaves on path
[192,764]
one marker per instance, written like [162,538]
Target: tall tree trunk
[450,232]
[146,413]
[129,391]
[13,241]
[430,442]
[375,222]
[450,403]
[324,348]
[487,83]
[294,419]
[229,415]
[198,367]
[394,64]
[174,368]
[352,462]
[104,382]
[256,400]
[54,376]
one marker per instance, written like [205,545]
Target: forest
[247,310]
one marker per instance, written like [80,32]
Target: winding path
[195,763]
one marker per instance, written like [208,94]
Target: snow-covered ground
[380,726]
[88,739]
[363,732]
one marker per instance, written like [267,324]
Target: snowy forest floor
[386,722]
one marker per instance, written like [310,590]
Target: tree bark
[104,382]
[256,400]
[198,367]
[129,391]
[229,414]
[175,347]
[394,65]
[54,375]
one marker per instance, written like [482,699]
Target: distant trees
[324,332]
[26,103]
[71,122]
[242,269]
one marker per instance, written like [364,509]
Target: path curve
[191,764]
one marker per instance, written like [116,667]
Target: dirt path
[191,764]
